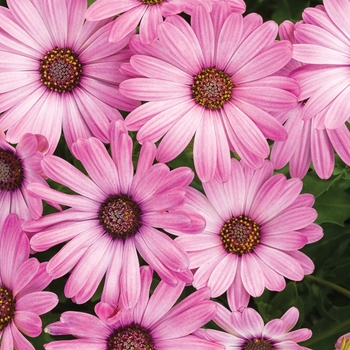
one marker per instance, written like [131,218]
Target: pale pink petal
[169,36]
[340,140]
[281,262]
[164,296]
[218,281]
[130,278]
[127,22]
[311,53]
[252,276]
[95,159]
[338,17]
[106,8]
[322,153]
[28,322]
[205,34]
[39,302]
[180,134]
[60,171]
[151,89]
[19,341]
[149,24]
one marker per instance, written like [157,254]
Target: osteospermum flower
[323,44]
[246,330]
[57,71]
[343,343]
[114,215]
[19,167]
[306,141]
[146,13]
[21,283]
[256,222]
[154,323]
[211,80]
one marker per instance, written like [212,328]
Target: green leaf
[333,206]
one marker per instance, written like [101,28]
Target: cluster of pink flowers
[222,83]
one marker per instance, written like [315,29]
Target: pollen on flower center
[257,344]
[120,216]
[151,2]
[60,70]
[132,337]
[212,88]
[240,235]
[7,307]
[11,171]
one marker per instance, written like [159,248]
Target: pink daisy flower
[306,141]
[114,216]
[211,81]
[246,330]
[343,343]
[146,13]
[21,283]
[154,323]
[19,167]
[323,44]
[57,71]
[256,222]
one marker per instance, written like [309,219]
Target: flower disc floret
[131,337]
[120,216]
[240,235]
[257,344]
[7,307]
[212,88]
[60,70]
[11,171]
[151,2]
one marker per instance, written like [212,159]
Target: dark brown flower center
[212,88]
[132,337]
[151,2]
[120,216]
[11,171]
[257,344]
[60,70]
[240,235]
[7,307]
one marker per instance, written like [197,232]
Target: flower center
[11,171]
[60,70]
[7,307]
[120,216]
[151,2]
[257,344]
[132,337]
[212,88]
[240,235]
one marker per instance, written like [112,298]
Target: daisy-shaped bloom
[146,13]
[246,330]
[256,222]
[212,80]
[19,167]
[323,45]
[114,215]
[343,343]
[154,323]
[307,141]
[57,71]
[21,283]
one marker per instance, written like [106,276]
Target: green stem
[328,284]
[327,334]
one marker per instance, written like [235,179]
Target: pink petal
[252,276]
[149,24]
[28,322]
[127,22]
[39,302]
[130,276]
